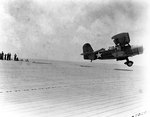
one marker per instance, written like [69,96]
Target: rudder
[87,50]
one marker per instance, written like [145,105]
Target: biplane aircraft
[121,51]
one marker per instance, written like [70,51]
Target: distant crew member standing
[5,56]
[15,57]
[9,56]
[2,55]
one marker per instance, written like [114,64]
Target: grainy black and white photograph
[74,58]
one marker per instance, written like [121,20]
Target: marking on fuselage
[99,55]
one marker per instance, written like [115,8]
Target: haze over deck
[58,29]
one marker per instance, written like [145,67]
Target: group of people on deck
[4,56]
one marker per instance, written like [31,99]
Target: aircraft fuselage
[119,54]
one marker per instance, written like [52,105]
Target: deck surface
[69,89]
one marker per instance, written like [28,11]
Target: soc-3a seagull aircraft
[121,51]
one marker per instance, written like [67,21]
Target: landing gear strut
[128,63]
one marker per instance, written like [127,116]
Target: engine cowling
[137,50]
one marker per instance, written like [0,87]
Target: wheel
[129,63]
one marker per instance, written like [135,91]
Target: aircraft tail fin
[88,51]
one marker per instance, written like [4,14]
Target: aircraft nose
[140,49]
[137,50]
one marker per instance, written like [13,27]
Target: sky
[57,29]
